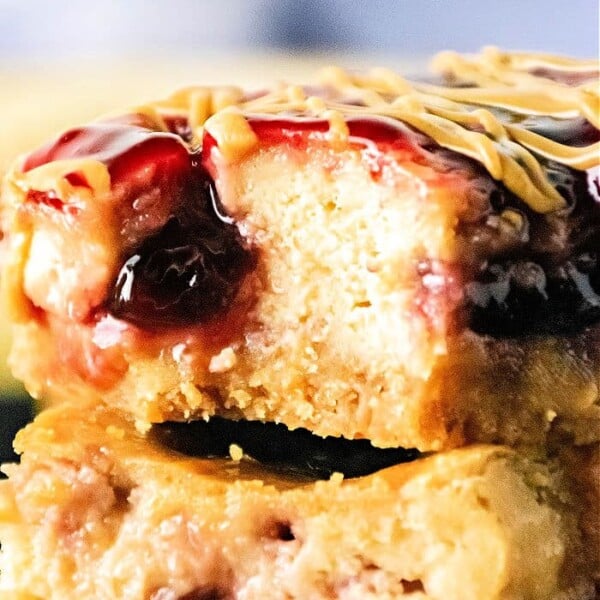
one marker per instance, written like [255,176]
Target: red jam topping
[128,150]
[295,130]
[189,266]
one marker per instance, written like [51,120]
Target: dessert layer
[112,513]
[414,264]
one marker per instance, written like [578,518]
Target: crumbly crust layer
[111,514]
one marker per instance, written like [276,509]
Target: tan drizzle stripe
[456,118]
[492,57]
[553,102]
[581,158]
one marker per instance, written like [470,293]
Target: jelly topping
[182,259]
[187,272]
[126,149]
[296,129]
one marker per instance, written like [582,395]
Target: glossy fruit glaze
[190,266]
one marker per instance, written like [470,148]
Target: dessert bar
[414,263]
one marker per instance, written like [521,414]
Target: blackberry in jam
[187,272]
[549,283]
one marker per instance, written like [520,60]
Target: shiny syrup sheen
[363,131]
[188,272]
[190,268]
[118,143]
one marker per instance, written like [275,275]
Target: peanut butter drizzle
[458,118]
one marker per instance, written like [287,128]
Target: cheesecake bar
[412,263]
[109,512]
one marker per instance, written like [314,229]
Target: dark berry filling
[542,277]
[187,272]
[274,445]
[522,297]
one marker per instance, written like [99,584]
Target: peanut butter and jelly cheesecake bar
[411,263]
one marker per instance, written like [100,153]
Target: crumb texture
[126,519]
